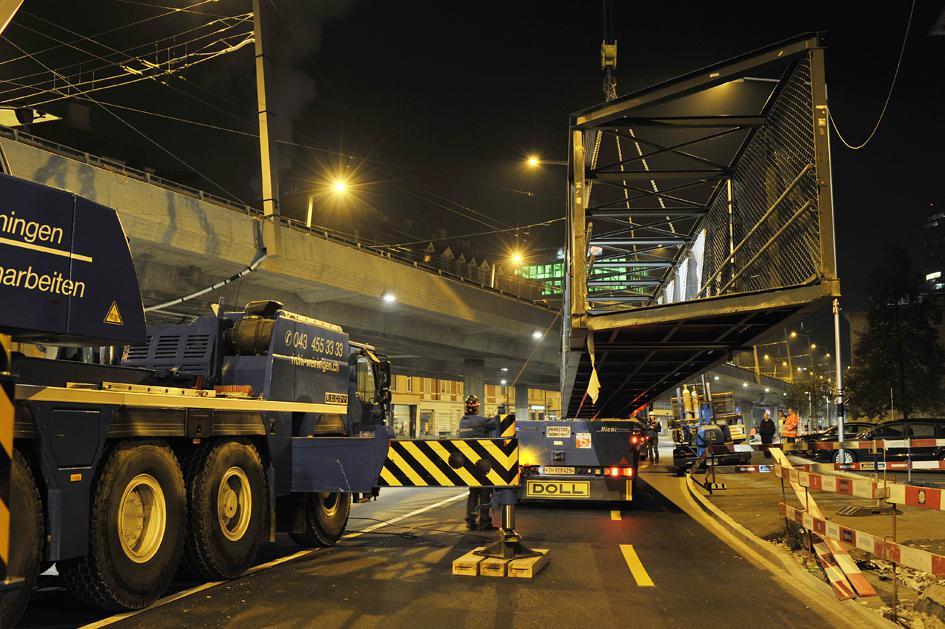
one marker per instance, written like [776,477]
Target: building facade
[432,407]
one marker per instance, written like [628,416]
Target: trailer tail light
[617,472]
[634,440]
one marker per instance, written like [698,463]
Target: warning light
[613,471]
[617,472]
[634,440]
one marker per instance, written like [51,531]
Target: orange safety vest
[790,426]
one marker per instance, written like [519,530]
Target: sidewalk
[751,499]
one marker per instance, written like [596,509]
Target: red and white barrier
[908,556]
[838,581]
[879,466]
[879,444]
[895,493]
[860,487]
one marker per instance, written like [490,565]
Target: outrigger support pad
[510,544]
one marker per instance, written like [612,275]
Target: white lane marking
[275,562]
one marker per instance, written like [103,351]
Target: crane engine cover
[66,273]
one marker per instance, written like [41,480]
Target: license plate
[550,469]
[557,489]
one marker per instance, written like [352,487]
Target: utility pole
[839,400]
[790,365]
[272,237]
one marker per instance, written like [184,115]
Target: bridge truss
[700,217]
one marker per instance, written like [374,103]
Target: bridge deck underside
[640,360]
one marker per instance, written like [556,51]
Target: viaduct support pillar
[474,373]
[521,401]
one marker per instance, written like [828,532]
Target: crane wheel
[226,486]
[326,515]
[26,533]
[136,533]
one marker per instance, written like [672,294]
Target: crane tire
[226,488]
[326,515]
[136,533]
[26,533]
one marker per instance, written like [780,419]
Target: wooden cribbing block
[493,567]
[528,567]
[468,564]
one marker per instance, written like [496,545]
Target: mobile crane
[204,440]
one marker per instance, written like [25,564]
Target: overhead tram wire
[109,31]
[127,53]
[139,132]
[892,85]
[202,57]
[178,75]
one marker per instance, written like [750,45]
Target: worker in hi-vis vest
[789,430]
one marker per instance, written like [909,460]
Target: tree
[901,351]
[808,395]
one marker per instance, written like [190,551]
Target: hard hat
[472,402]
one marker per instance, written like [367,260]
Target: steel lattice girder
[710,153]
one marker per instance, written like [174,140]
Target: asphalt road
[399,575]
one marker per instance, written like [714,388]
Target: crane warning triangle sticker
[113,316]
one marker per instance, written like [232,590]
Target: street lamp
[533,161]
[340,186]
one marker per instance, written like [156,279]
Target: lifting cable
[260,256]
[892,85]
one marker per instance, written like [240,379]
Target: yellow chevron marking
[6,423]
[4,534]
[508,462]
[473,457]
[389,477]
[427,464]
[463,473]
[405,468]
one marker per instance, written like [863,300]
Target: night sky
[435,106]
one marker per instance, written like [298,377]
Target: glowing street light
[793,335]
[537,335]
[389,298]
[517,258]
[533,161]
[340,186]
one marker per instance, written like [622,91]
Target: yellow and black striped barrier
[451,463]
[7,388]
[507,426]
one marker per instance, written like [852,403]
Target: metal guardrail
[507,286]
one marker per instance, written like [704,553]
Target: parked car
[899,429]
[850,430]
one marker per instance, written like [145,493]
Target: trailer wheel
[136,534]
[326,515]
[226,487]
[26,528]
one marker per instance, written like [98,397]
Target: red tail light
[634,440]
[616,472]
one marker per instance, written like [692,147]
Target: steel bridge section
[700,216]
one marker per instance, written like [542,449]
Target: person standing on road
[475,426]
[789,432]
[653,429]
[766,430]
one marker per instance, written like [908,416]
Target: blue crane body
[201,441]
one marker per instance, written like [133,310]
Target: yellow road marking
[302,553]
[42,249]
[636,566]
[615,515]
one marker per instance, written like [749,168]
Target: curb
[816,592]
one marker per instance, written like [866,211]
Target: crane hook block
[608,55]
